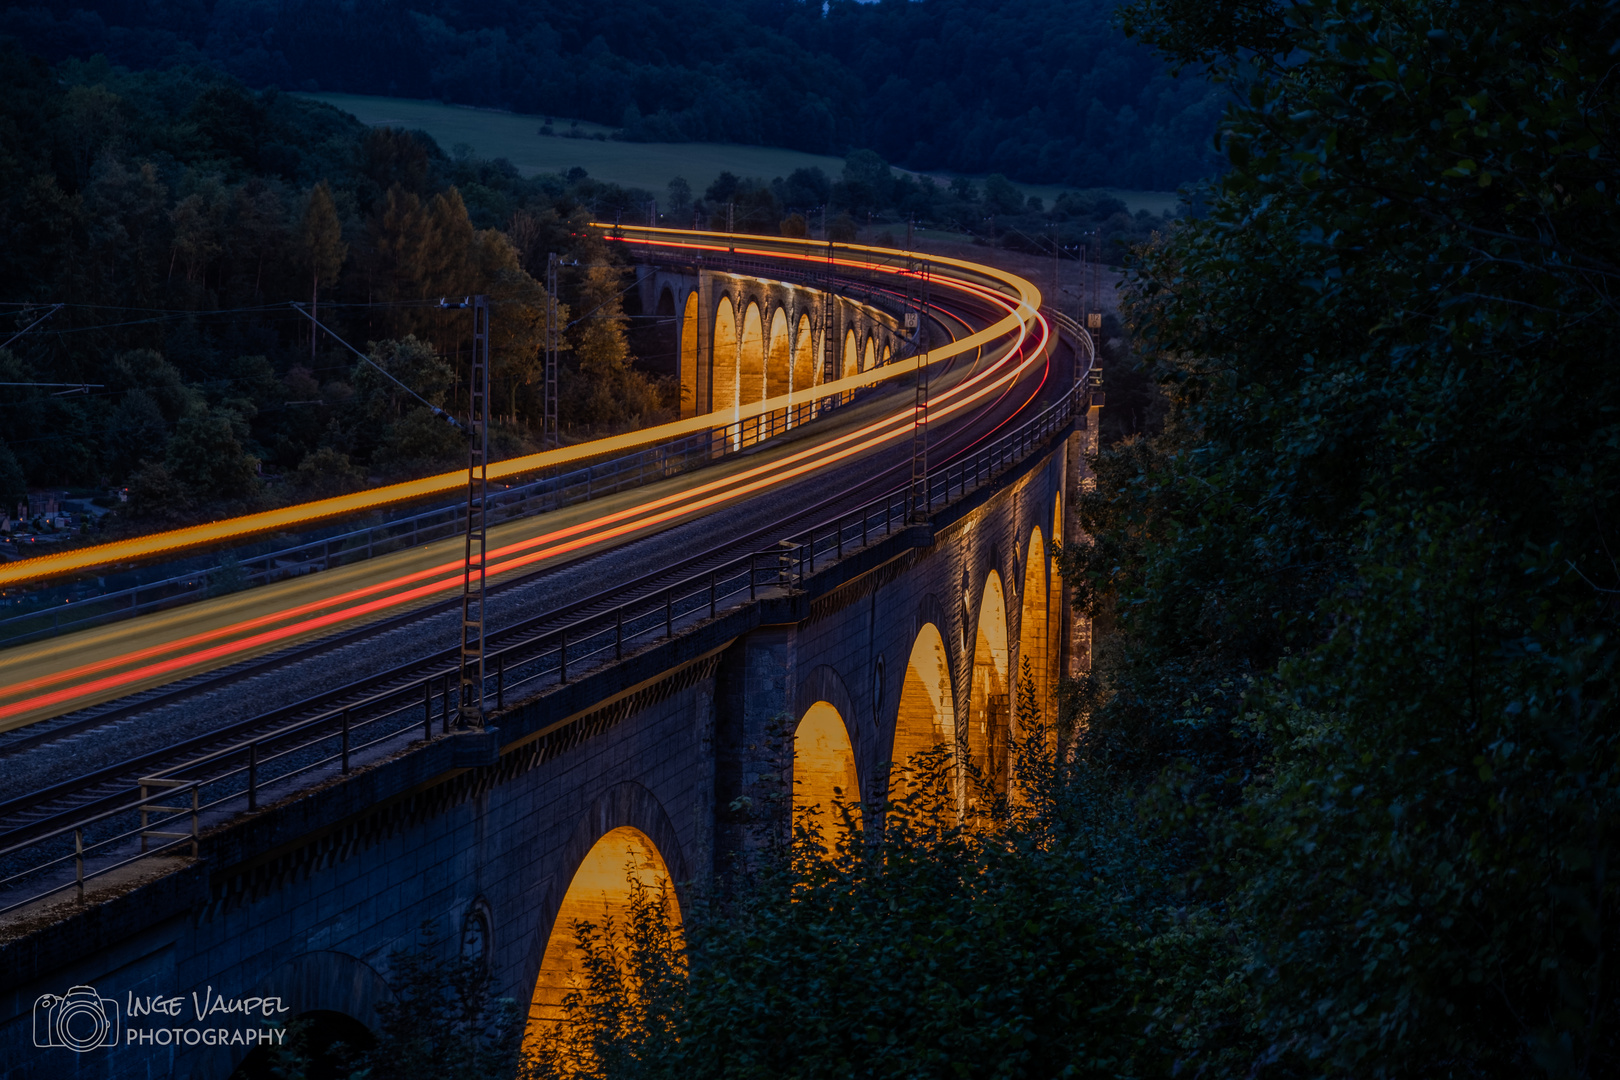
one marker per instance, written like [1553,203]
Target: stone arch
[887,355]
[804,357]
[869,353]
[925,716]
[823,683]
[1034,627]
[626,806]
[823,770]
[1057,519]
[989,702]
[751,367]
[778,362]
[852,357]
[778,355]
[690,406]
[602,887]
[320,982]
[724,361]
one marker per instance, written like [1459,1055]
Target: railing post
[345,742]
[445,715]
[427,710]
[78,859]
[145,820]
[562,659]
[195,789]
[618,632]
[253,776]
[752,593]
[669,612]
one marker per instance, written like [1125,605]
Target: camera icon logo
[79,1020]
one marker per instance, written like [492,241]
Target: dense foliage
[1359,594]
[1046,92]
[176,215]
[1364,585]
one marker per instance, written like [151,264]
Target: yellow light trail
[1021,314]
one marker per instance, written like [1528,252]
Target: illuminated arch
[823,770]
[751,365]
[804,366]
[778,362]
[884,359]
[601,887]
[869,353]
[689,357]
[724,361]
[989,704]
[1057,518]
[852,355]
[926,717]
[1033,626]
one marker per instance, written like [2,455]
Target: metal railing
[241,775]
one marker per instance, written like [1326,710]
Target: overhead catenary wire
[434,409]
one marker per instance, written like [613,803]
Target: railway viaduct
[910,639]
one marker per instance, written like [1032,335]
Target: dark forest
[1044,92]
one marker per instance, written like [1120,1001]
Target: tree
[321,248]
[1363,585]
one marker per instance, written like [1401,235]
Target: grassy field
[645,165]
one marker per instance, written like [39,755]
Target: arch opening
[852,355]
[603,887]
[690,405]
[823,771]
[989,703]
[1034,631]
[804,365]
[778,364]
[751,366]
[926,715]
[723,379]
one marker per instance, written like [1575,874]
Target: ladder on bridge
[828,320]
[473,575]
[916,322]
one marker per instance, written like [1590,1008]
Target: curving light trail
[58,691]
[1021,313]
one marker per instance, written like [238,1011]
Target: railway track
[38,812]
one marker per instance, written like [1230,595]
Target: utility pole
[471,702]
[550,439]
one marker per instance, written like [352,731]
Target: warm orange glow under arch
[689,357]
[927,715]
[724,380]
[1034,627]
[990,705]
[751,372]
[601,889]
[823,771]
[852,354]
